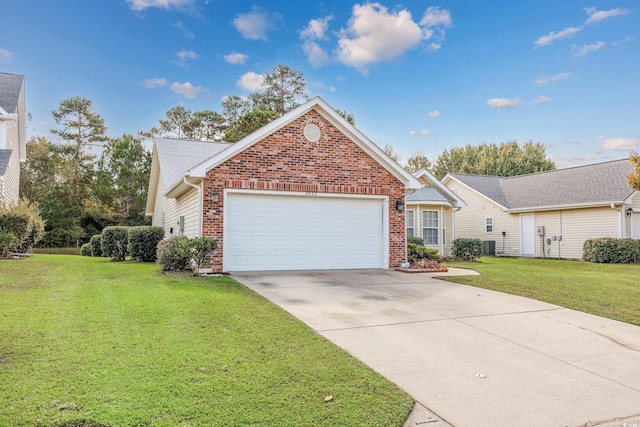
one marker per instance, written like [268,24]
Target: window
[430,227]
[409,223]
[488,225]
[444,231]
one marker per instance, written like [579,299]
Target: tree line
[79,193]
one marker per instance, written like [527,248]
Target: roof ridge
[566,169]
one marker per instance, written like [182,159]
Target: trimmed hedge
[612,250]
[467,249]
[86,249]
[115,242]
[174,254]
[415,240]
[143,242]
[96,245]
[416,253]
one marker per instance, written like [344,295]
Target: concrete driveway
[473,357]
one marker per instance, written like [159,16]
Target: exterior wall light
[629,211]
[400,205]
[214,196]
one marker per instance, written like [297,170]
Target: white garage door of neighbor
[278,232]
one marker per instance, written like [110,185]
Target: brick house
[307,191]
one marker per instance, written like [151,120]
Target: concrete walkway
[469,356]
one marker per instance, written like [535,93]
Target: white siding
[11,180]
[170,211]
[471,221]
[635,205]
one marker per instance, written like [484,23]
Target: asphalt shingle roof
[10,85]
[590,184]
[179,155]
[5,156]
[426,194]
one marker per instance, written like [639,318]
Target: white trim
[437,228]
[493,225]
[413,214]
[428,203]
[564,207]
[450,177]
[440,187]
[521,235]
[383,198]
[629,200]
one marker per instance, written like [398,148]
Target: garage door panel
[277,232]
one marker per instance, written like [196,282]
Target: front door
[527,234]
[635,225]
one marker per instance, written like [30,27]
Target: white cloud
[186,89]
[155,82]
[599,15]
[184,55]
[541,100]
[316,28]
[374,34]
[315,54]
[332,89]
[255,24]
[180,25]
[6,55]
[544,80]
[588,48]
[413,132]
[250,81]
[139,5]
[555,36]
[434,16]
[236,58]
[426,132]
[422,132]
[623,41]
[621,144]
[434,113]
[505,102]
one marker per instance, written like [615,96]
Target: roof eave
[566,206]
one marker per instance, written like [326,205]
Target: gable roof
[10,89]
[433,191]
[172,158]
[597,184]
[325,110]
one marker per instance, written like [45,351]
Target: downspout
[620,221]
[197,187]
[406,253]
[453,224]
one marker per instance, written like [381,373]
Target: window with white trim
[409,222]
[430,227]
[488,225]
[444,230]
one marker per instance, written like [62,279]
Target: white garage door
[280,232]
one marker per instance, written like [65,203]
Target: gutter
[620,220]
[197,187]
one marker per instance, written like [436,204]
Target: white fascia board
[440,187]
[429,202]
[153,183]
[629,200]
[334,118]
[448,177]
[564,207]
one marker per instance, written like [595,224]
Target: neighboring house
[430,213]
[13,140]
[548,214]
[307,191]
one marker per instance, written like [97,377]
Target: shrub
[415,240]
[173,254]
[143,242]
[23,221]
[467,249]
[612,250]
[114,242]
[7,241]
[86,249]
[96,245]
[416,253]
[199,249]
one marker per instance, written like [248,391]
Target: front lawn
[609,290]
[85,341]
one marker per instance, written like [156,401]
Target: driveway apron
[472,357]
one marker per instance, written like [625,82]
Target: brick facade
[285,161]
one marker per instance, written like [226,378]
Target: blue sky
[416,74]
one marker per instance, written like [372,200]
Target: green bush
[86,249]
[415,240]
[7,241]
[114,242]
[143,242]
[612,250]
[467,249]
[96,245]
[23,221]
[199,249]
[416,253]
[173,254]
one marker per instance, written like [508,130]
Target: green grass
[88,340]
[609,290]
[57,251]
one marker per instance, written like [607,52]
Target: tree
[284,86]
[347,116]
[177,120]
[506,159]
[80,127]
[123,177]
[234,107]
[249,123]
[391,153]
[206,125]
[417,162]
[634,178]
